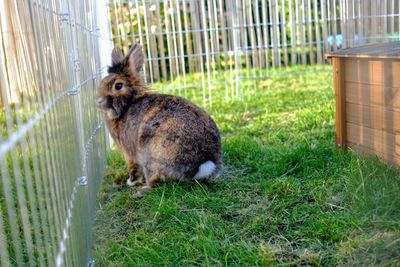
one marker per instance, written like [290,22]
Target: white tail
[205,170]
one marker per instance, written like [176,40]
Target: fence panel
[52,142]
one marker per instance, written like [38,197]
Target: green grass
[288,196]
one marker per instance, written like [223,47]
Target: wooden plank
[142,42]
[367,94]
[324,18]
[207,50]
[275,31]
[243,33]
[293,32]
[378,141]
[151,44]
[230,88]
[391,11]
[214,38]
[170,45]
[195,20]
[358,71]
[350,22]
[338,78]
[253,43]
[222,21]
[114,22]
[176,40]
[123,28]
[283,30]
[160,39]
[364,56]
[188,38]
[328,22]
[301,25]
[317,32]
[180,44]
[374,20]
[206,36]
[343,24]
[260,41]
[367,22]
[384,12]
[375,117]
[309,30]
[378,21]
[377,50]
[365,150]
[228,14]
[384,72]
[265,19]
[333,18]
[360,23]
[132,35]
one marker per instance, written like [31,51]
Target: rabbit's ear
[135,59]
[116,56]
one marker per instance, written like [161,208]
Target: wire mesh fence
[52,142]
[244,38]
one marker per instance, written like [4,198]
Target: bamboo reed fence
[186,36]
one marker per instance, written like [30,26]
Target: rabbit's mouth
[102,102]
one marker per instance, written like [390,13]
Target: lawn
[288,197]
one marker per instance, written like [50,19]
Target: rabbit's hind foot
[142,191]
[150,183]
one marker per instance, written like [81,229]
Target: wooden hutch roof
[383,50]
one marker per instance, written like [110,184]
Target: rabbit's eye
[118,86]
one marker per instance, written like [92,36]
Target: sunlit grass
[288,196]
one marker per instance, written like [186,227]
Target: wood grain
[338,78]
[375,117]
[365,150]
[381,72]
[373,95]
[377,141]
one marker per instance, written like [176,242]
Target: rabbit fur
[161,136]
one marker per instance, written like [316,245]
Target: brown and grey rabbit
[161,136]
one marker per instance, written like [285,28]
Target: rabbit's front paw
[131,182]
[134,180]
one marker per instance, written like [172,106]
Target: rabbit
[161,136]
